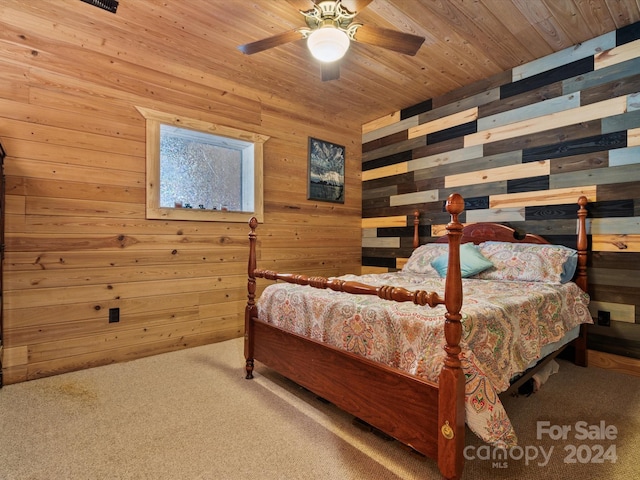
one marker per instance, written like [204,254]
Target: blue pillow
[472,261]
[569,268]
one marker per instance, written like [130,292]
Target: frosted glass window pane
[202,171]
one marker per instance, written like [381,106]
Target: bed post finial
[250,310]
[451,415]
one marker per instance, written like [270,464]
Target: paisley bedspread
[505,325]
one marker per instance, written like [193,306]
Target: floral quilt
[505,326]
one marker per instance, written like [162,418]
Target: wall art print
[326,171]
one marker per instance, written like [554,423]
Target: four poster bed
[417,373]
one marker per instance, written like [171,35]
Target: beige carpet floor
[192,415]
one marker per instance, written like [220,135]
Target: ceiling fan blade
[355,5]
[266,43]
[389,39]
[330,71]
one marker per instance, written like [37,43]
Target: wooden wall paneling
[447,158]
[530,97]
[585,161]
[78,242]
[478,93]
[610,175]
[382,172]
[423,196]
[378,123]
[625,121]
[380,242]
[578,146]
[615,277]
[594,111]
[559,195]
[616,243]
[624,156]
[381,222]
[619,312]
[116,291]
[608,75]
[72,173]
[384,141]
[502,215]
[444,123]
[627,85]
[477,190]
[387,181]
[529,111]
[452,134]
[603,212]
[33,132]
[566,56]
[386,130]
[617,55]
[374,205]
[531,169]
[528,184]
[415,109]
[402,146]
[440,146]
[72,120]
[384,191]
[569,70]
[436,183]
[95,312]
[40,187]
[560,129]
[615,294]
[547,140]
[387,160]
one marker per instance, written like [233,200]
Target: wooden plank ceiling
[466,40]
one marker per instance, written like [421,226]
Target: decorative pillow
[529,262]
[421,258]
[472,261]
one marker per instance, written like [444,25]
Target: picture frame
[326,171]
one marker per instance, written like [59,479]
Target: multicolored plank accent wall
[521,148]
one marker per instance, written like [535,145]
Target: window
[202,171]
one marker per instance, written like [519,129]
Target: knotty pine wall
[521,147]
[77,241]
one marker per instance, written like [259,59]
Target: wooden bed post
[581,355]
[451,415]
[250,310]
[416,229]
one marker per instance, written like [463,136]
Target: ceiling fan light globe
[328,44]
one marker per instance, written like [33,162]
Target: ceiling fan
[330,30]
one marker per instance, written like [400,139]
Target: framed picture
[326,171]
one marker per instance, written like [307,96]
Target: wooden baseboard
[618,363]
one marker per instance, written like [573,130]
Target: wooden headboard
[485,231]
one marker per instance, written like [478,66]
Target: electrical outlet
[114,315]
[604,318]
